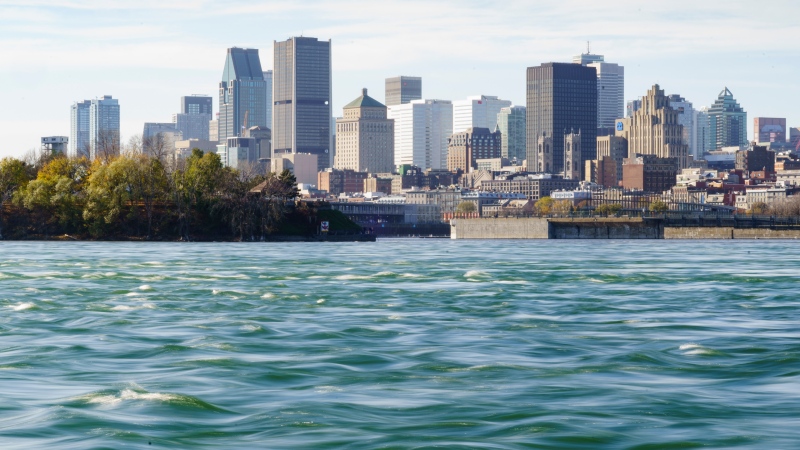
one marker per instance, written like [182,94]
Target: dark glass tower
[241,93]
[301,96]
[401,90]
[561,97]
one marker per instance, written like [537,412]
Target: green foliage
[466,207]
[608,209]
[544,205]
[562,207]
[658,206]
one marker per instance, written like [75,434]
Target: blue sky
[149,53]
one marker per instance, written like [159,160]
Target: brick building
[649,173]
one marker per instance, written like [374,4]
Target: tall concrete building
[686,118]
[701,132]
[727,122]
[302,86]
[610,88]
[104,137]
[78,145]
[365,137]
[55,145]
[631,107]
[561,97]
[268,98]
[401,90]
[769,129]
[654,129]
[421,130]
[194,118]
[511,124]
[479,111]
[241,93]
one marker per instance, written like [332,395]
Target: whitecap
[22,306]
[268,295]
[320,301]
[145,287]
[215,292]
[695,349]
[352,277]
[122,308]
[250,328]
[475,273]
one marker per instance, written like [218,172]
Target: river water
[407,343]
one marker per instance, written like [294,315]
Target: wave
[22,306]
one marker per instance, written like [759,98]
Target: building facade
[337,181]
[610,93]
[268,98]
[649,173]
[466,147]
[755,159]
[241,93]
[702,134]
[573,164]
[686,118]
[401,90]
[104,134]
[631,107]
[511,124]
[532,186]
[654,129]
[727,122]
[194,118]
[365,137]
[55,145]
[769,129]
[560,97]
[302,96]
[79,130]
[478,111]
[421,131]
[611,151]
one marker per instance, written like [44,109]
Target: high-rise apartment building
[421,130]
[654,129]
[511,123]
[78,145]
[479,111]
[104,127]
[610,88]
[302,86]
[194,118]
[701,132]
[365,137]
[686,117]
[561,97]
[769,129]
[241,93]
[268,98]
[401,90]
[727,122]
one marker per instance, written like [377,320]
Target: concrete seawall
[601,228]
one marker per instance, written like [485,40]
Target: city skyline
[69,51]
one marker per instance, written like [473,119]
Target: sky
[149,53]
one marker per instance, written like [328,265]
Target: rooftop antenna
[588,52]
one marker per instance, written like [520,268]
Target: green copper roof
[364,101]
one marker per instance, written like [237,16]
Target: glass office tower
[241,93]
[301,110]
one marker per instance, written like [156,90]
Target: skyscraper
[194,118]
[631,107]
[686,118]
[365,137]
[769,129]
[104,127]
[561,98]
[78,145]
[654,130]
[701,132]
[479,111]
[268,98]
[610,88]
[511,123]
[302,86]
[421,130]
[727,122]
[241,93]
[401,90]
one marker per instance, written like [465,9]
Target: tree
[466,207]
[562,207]
[759,208]
[608,209]
[544,205]
[13,176]
[658,206]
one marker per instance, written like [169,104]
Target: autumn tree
[13,176]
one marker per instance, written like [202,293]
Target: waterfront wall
[500,228]
[601,228]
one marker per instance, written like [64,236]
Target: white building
[421,130]
[610,88]
[364,137]
[103,127]
[477,111]
[701,130]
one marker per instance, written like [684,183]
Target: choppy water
[400,344]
